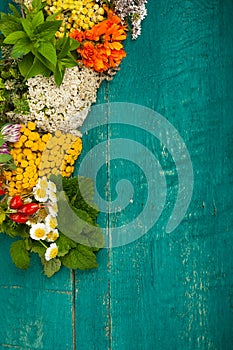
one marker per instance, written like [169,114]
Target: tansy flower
[51,252]
[51,221]
[38,231]
[52,235]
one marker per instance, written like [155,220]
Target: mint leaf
[9,24]
[37,68]
[51,266]
[25,64]
[14,10]
[81,258]
[20,255]
[27,26]
[48,51]
[48,29]
[38,19]
[14,37]
[21,48]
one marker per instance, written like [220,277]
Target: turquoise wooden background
[163,291]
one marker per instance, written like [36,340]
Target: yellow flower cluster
[27,156]
[60,154]
[75,14]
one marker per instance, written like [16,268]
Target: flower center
[39,232]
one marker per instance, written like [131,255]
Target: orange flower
[101,46]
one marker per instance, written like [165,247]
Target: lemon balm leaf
[20,255]
[51,267]
[81,258]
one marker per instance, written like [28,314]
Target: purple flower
[4,149]
[11,132]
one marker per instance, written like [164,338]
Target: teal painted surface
[164,291]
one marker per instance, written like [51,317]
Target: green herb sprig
[34,44]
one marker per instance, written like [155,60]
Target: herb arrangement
[54,56]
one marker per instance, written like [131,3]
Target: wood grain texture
[175,291]
[163,291]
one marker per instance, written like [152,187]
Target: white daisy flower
[51,252]
[52,186]
[40,194]
[52,235]
[38,231]
[51,221]
[52,208]
[40,191]
[52,195]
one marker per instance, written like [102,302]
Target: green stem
[43,244]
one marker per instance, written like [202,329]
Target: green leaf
[68,222]
[81,258]
[21,48]
[2,217]
[37,68]
[94,236]
[38,4]
[14,37]
[27,26]
[64,244]
[43,60]
[38,19]
[51,266]
[48,29]
[9,24]
[1,141]
[68,62]
[53,16]
[65,48]
[58,74]
[16,13]
[38,248]
[48,51]
[20,255]
[4,158]
[25,64]
[87,189]
[74,44]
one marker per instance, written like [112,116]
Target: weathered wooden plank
[174,291]
[92,287]
[34,311]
